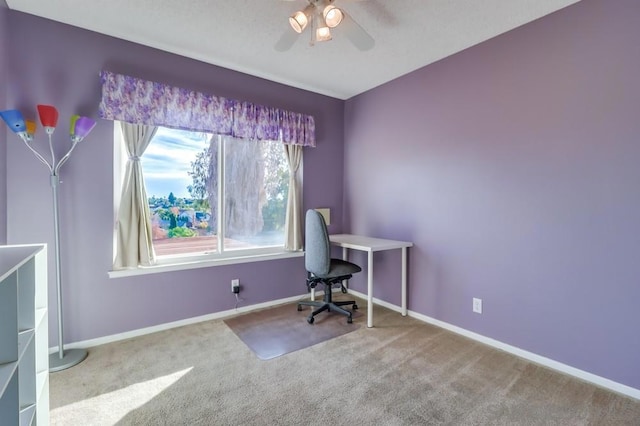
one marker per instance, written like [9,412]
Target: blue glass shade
[14,120]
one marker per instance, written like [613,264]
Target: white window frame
[188,261]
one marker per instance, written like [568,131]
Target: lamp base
[69,359]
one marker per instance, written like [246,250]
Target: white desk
[370,245]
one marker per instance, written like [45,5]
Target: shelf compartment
[26,295]
[27,414]
[6,372]
[42,340]
[24,339]
[9,402]
[8,318]
[27,371]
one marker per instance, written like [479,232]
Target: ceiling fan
[322,16]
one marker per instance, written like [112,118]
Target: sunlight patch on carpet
[124,400]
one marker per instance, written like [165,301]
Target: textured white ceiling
[241,34]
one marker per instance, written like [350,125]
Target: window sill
[196,264]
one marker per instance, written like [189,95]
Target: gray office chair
[322,269]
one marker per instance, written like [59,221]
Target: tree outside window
[255,186]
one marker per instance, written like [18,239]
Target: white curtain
[293,221]
[134,238]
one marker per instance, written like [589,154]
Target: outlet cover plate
[477,305]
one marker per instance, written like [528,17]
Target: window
[231,188]
[214,196]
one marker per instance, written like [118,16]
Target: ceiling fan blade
[286,41]
[355,33]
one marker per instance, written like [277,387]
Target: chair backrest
[317,256]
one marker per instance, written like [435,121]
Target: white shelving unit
[24,336]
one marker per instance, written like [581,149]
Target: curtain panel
[138,101]
[293,216]
[134,236]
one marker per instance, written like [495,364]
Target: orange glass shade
[31,127]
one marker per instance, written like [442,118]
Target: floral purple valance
[139,101]
[265,123]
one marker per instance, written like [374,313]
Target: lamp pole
[80,127]
[61,360]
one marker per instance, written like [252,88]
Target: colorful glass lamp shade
[31,129]
[72,124]
[48,117]
[81,127]
[14,120]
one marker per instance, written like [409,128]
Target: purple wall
[3,134]
[62,68]
[514,168]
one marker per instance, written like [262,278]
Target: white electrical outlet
[235,286]
[477,305]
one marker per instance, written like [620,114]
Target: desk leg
[370,290]
[404,281]
[345,257]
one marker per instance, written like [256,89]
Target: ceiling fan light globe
[332,16]
[298,21]
[323,34]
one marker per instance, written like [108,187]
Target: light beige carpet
[402,372]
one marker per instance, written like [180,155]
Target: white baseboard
[167,326]
[530,356]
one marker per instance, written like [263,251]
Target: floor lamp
[80,127]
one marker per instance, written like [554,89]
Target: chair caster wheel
[310,320]
[349,320]
[355,307]
[343,290]
[299,308]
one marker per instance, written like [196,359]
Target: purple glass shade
[14,120]
[82,127]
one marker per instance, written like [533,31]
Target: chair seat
[338,268]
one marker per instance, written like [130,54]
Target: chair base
[329,305]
